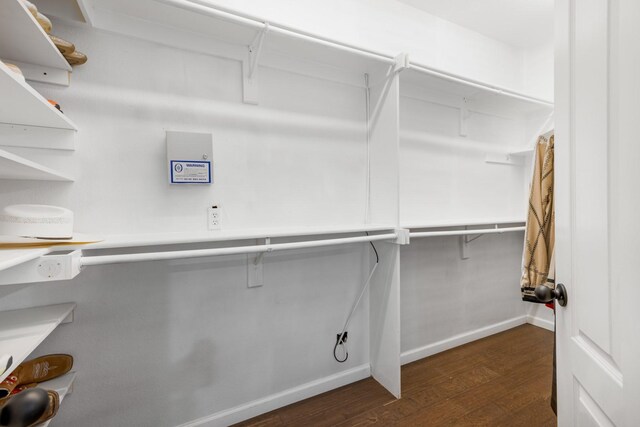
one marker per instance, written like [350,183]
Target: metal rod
[465,232]
[199,253]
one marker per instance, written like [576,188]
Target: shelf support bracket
[401,62]
[464,115]
[250,68]
[465,240]
[255,266]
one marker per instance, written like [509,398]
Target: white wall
[538,71]
[444,295]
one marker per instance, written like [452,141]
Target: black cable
[374,249]
[335,356]
[339,340]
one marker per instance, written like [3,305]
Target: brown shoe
[38,370]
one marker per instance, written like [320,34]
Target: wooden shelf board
[15,167]
[23,105]
[22,331]
[22,39]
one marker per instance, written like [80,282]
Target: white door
[597,174]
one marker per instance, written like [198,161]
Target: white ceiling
[521,23]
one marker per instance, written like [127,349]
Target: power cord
[341,342]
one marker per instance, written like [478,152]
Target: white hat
[41,221]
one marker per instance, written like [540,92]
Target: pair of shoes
[35,371]
[29,408]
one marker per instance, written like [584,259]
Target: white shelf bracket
[250,68]
[255,267]
[464,115]
[465,240]
[504,159]
[403,236]
[401,62]
[47,268]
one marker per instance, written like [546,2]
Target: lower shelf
[21,331]
[63,385]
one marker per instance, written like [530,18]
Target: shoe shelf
[22,39]
[63,385]
[13,166]
[22,331]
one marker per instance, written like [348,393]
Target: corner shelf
[22,331]
[15,167]
[22,39]
[63,385]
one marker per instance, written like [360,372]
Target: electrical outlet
[213,217]
[344,338]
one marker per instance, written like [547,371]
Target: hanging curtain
[537,263]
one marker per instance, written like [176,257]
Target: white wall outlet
[213,217]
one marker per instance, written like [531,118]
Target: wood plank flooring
[501,380]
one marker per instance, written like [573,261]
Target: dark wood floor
[502,380]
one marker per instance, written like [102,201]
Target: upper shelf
[425,83]
[22,39]
[471,222]
[21,331]
[23,105]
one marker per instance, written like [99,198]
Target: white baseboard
[455,341]
[278,400]
[540,322]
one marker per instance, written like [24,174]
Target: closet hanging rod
[477,84]
[230,15]
[199,253]
[466,232]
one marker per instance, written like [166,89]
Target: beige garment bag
[539,237]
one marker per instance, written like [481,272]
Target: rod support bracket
[250,67]
[47,268]
[402,236]
[401,62]
[255,265]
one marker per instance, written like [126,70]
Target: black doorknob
[546,294]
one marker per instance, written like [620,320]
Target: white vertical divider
[384,296]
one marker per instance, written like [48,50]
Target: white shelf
[22,331]
[521,152]
[22,39]
[63,385]
[422,83]
[15,167]
[13,257]
[462,223]
[23,105]
[133,240]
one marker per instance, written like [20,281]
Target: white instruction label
[190,172]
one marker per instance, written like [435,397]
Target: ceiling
[521,23]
